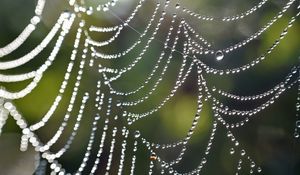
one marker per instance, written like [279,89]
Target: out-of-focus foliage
[268,137]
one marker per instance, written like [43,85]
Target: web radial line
[132,117]
[62,21]
[89,146]
[297,123]
[226,18]
[255,35]
[243,153]
[151,166]
[151,91]
[123,53]
[64,84]
[100,150]
[245,67]
[23,36]
[133,160]
[114,28]
[15,95]
[125,133]
[52,156]
[112,146]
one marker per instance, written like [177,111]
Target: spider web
[115,105]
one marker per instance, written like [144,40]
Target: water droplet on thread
[137,134]
[219,55]
[296,135]
[105,8]
[259,169]
[243,152]
[298,123]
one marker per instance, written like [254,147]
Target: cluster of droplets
[297,123]
[19,40]
[243,157]
[3,114]
[112,146]
[125,134]
[225,18]
[63,23]
[101,146]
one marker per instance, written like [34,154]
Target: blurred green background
[268,138]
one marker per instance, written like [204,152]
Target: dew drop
[105,8]
[259,169]
[153,157]
[298,123]
[243,152]
[89,11]
[204,160]
[296,135]
[137,134]
[252,164]
[231,151]
[177,6]
[219,55]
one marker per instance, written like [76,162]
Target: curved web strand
[120,28]
[194,48]
[256,61]
[15,95]
[63,85]
[98,54]
[224,18]
[23,36]
[143,85]
[254,36]
[62,20]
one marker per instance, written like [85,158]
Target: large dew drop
[219,55]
